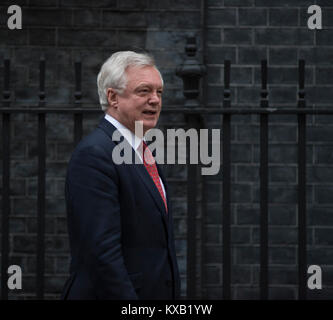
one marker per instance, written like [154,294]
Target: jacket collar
[140,169]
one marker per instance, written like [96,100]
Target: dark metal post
[78,97]
[41,183]
[302,259]
[5,182]
[191,72]
[264,186]
[226,174]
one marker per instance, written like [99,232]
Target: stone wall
[242,31]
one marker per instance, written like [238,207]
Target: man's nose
[154,98]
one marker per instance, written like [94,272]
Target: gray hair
[113,72]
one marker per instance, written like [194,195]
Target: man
[119,215]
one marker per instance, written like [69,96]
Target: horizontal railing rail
[195,111]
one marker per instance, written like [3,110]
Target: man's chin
[147,125]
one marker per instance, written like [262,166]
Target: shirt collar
[131,138]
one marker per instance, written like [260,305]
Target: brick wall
[243,31]
[64,31]
[246,32]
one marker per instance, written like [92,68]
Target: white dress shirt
[131,138]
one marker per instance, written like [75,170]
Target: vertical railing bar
[5,182]
[6,94]
[191,72]
[302,237]
[41,184]
[226,167]
[5,203]
[203,224]
[191,220]
[204,210]
[264,186]
[78,118]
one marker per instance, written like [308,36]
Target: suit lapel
[160,172]
[140,171]
[149,183]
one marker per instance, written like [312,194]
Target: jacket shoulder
[97,138]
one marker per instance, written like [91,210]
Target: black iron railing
[191,72]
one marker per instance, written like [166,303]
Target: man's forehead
[139,75]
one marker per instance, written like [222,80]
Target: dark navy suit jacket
[121,238]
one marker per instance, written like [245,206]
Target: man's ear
[112,97]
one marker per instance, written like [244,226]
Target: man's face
[140,101]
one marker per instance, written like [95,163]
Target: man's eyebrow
[147,85]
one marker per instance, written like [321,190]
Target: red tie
[150,165]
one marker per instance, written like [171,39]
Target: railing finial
[42,80]
[191,71]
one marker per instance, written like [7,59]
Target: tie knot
[147,156]
[144,145]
